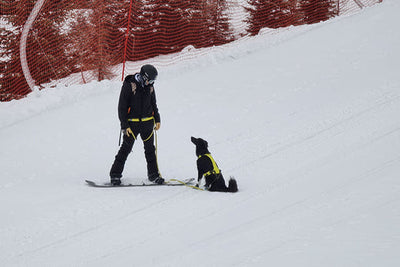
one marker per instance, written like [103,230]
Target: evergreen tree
[270,14]
[217,22]
[314,11]
[165,26]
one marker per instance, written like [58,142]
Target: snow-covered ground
[309,125]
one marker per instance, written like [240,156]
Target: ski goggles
[149,81]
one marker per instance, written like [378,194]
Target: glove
[128,132]
[157,126]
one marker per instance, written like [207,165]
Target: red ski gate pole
[126,39]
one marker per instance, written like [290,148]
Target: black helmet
[149,73]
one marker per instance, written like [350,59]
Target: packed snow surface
[307,121]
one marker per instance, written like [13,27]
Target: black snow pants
[145,129]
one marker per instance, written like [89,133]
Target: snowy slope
[308,123]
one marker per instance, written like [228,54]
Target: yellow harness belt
[143,119]
[215,169]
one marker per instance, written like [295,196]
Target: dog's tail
[232,187]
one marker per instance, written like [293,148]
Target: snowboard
[171,182]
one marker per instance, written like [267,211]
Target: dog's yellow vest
[215,169]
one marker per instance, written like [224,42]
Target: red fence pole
[126,39]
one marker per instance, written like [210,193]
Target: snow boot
[155,178]
[115,180]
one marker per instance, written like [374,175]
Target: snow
[306,120]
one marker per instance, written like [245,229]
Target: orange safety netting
[45,42]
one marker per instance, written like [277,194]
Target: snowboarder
[138,114]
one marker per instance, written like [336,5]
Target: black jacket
[136,101]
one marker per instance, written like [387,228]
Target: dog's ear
[202,143]
[205,143]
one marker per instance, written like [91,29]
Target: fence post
[126,39]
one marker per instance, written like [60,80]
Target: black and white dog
[207,167]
